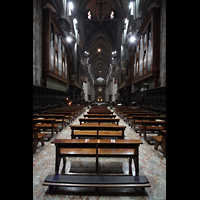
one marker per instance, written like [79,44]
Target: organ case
[147,48]
[54,47]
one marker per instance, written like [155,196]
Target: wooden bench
[147,126]
[122,111]
[68,115]
[131,115]
[37,137]
[46,124]
[94,130]
[137,119]
[99,116]
[71,112]
[58,118]
[99,120]
[161,140]
[75,110]
[99,112]
[126,114]
[97,148]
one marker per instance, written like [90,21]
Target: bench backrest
[157,123]
[102,127]
[145,122]
[99,115]
[97,143]
[148,117]
[48,116]
[105,127]
[141,113]
[99,112]
[99,120]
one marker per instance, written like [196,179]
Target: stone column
[163,43]
[37,42]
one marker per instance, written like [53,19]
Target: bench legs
[156,144]
[129,163]
[136,161]
[35,144]
[136,164]
[58,159]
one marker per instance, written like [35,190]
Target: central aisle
[152,164]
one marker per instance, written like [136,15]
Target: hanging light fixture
[69,39]
[132,39]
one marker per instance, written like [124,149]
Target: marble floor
[152,164]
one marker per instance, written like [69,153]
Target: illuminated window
[89,15]
[70,8]
[112,14]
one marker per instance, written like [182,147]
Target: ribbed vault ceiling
[100,34]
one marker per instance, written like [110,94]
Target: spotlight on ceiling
[132,39]
[114,52]
[69,39]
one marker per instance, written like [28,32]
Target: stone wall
[37,42]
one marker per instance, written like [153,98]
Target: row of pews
[53,120]
[145,122]
[98,135]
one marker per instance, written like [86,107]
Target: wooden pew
[161,140]
[99,115]
[46,124]
[99,112]
[94,130]
[130,112]
[121,109]
[97,148]
[73,111]
[75,108]
[129,116]
[137,119]
[99,120]
[37,137]
[58,118]
[68,115]
[147,126]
